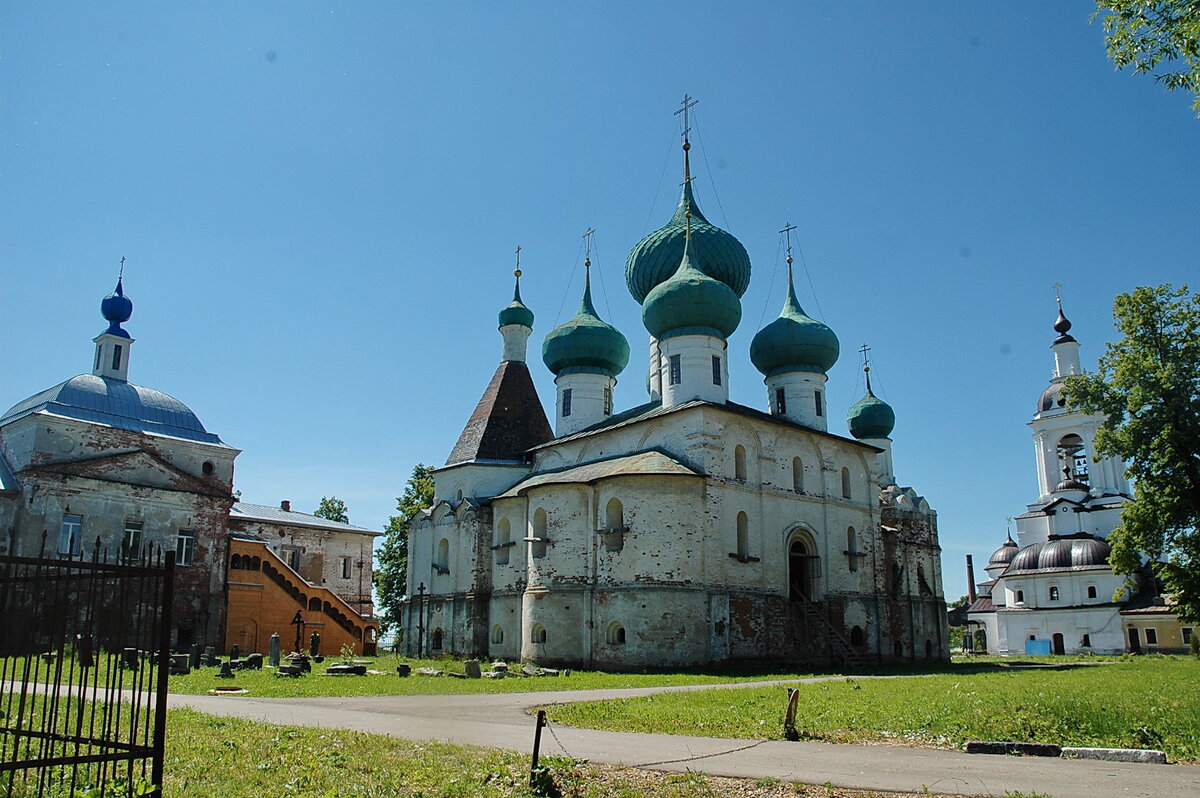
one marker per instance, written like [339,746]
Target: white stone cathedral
[685,531]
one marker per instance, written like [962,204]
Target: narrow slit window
[676,375]
[566,402]
[608,401]
[716,370]
[819,404]
[780,402]
[116,361]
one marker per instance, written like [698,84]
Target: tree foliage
[1148,388]
[391,569]
[1145,33]
[332,508]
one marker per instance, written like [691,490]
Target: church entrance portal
[800,571]
[1059,648]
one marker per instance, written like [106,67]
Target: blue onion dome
[1004,555]
[585,343]
[691,303]
[116,309]
[871,417]
[794,342]
[714,252]
[516,312]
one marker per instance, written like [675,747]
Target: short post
[537,748]
[789,717]
[273,660]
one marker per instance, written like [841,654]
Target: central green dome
[794,342]
[585,343]
[714,252]
[871,417]
[691,303]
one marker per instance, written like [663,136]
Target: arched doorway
[801,569]
[1058,646]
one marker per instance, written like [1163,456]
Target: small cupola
[870,416]
[794,354]
[585,354]
[516,321]
[113,345]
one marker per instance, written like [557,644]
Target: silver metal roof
[277,515]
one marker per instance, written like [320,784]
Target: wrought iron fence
[84,659]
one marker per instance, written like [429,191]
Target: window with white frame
[347,567]
[131,542]
[69,537]
[185,546]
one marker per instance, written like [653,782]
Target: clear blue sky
[319,205]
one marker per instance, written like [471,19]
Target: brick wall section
[264,594]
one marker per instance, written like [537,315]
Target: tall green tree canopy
[1148,388]
[333,509]
[1146,33]
[391,569]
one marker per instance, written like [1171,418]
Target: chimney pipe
[970,579]
[286,506]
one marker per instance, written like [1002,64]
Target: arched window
[235,562]
[443,560]
[845,482]
[435,640]
[1074,458]
[537,548]
[1091,591]
[1020,596]
[254,563]
[614,514]
[497,634]
[739,463]
[615,635]
[857,638]
[1053,592]
[743,535]
[797,475]
[503,538]
[314,604]
[208,468]
[537,634]
[852,548]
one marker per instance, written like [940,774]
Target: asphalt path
[504,721]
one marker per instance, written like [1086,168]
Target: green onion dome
[871,417]
[794,342]
[714,251]
[585,343]
[516,312]
[691,303]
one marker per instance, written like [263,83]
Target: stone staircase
[837,648]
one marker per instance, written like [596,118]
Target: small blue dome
[794,342]
[516,312]
[116,308]
[691,303]
[120,404]
[714,251]
[585,343]
[871,417]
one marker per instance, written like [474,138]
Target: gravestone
[210,657]
[472,669]
[194,658]
[314,644]
[226,671]
[274,653]
[403,669]
[235,652]
[179,665]
[129,658]
[253,662]
[84,651]
[346,669]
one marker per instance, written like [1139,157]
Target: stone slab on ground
[1146,756]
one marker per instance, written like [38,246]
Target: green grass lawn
[1133,702]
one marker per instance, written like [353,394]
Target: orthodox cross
[1058,291]
[517,271]
[687,104]
[863,350]
[121,274]
[587,240]
[787,233]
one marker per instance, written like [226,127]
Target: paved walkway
[501,721]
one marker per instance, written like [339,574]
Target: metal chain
[563,748]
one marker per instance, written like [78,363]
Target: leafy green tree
[1148,389]
[333,509]
[391,569]
[1146,33]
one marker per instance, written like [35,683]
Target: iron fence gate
[84,659]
